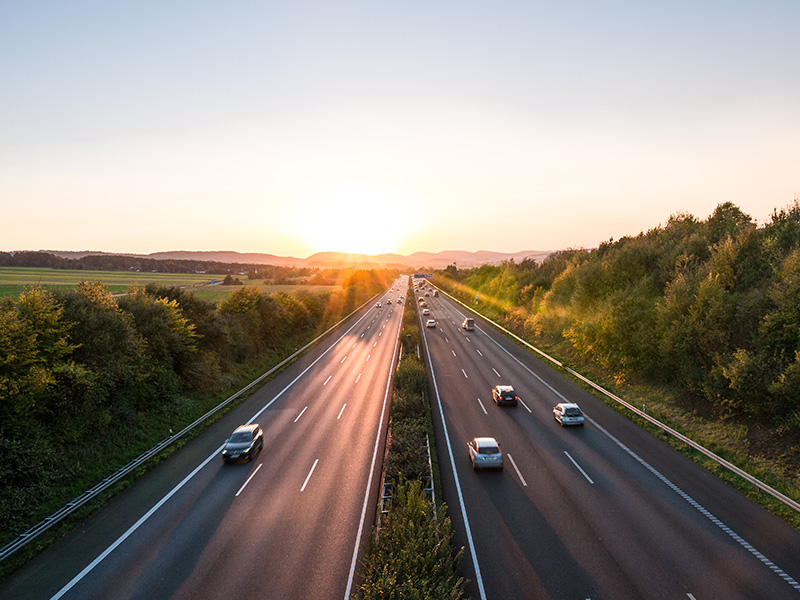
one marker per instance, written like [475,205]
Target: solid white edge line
[513,464]
[700,508]
[301,414]
[475,564]
[311,472]
[172,492]
[341,411]
[372,466]
[482,406]
[133,527]
[589,479]
[253,474]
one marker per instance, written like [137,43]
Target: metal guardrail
[77,502]
[718,459]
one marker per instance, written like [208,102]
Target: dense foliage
[88,381]
[712,306]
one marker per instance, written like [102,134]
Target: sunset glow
[298,128]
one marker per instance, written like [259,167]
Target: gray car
[244,443]
[485,453]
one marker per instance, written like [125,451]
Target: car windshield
[240,437]
[488,450]
[572,412]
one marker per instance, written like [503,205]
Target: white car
[430,323]
[426,312]
[485,453]
[377,305]
[568,413]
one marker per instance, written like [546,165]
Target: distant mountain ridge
[336,260]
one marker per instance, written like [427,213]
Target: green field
[14,279]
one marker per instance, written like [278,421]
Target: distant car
[389,301]
[427,293]
[485,453]
[468,324]
[244,443]
[430,323]
[426,311]
[377,305]
[568,413]
[504,394]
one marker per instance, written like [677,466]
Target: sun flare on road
[353,222]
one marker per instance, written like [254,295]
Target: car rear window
[508,394]
[572,412]
[488,450]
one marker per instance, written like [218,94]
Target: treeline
[117,262]
[713,306]
[88,381]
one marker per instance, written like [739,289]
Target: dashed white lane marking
[690,596]
[465,373]
[327,380]
[479,352]
[301,414]
[589,479]
[375,344]
[253,474]
[482,406]
[359,377]
[380,333]
[523,404]
[354,345]
[362,335]
[344,359]
[742,542]
[341,411]
[305,483]
[446,340]
[368,355]
[513,464]
[469,340]
[495,372]
[453,351]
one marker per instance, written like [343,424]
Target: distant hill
[337,260]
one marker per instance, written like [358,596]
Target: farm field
[14,279]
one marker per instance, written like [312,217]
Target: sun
[353,221]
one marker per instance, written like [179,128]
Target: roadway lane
[604,511]
[285,525]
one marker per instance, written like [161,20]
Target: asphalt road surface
[287,524]
[600,511]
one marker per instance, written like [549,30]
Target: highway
[601,511]
[288,524]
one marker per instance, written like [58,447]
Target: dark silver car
[504,394]
[244,443]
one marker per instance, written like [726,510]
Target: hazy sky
[294,127]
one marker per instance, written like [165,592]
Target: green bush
[413,558]
[411,378]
